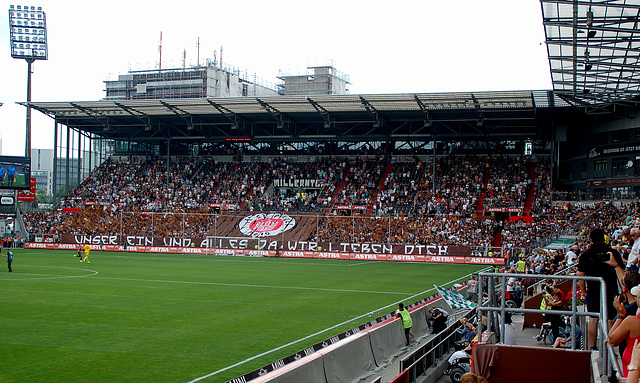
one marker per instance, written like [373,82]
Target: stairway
[528,203]
[381,184]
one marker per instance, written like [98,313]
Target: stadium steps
[257,180]
[497,240]
[341,185]
[528,203]
[480,207]
[385,174]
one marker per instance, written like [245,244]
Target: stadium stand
[407,207]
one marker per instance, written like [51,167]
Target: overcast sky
[411,46]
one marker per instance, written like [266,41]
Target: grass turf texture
[172,318]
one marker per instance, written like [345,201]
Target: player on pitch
[87,249]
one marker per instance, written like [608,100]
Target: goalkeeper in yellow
[87,249]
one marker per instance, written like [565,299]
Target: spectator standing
[592,263]
[571,256]
[634,367]
[626,330]
[632,263]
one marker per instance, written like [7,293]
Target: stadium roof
[447,116]
[593,49]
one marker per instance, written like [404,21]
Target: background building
[42,169]
[214,81]
[318,80]
[210,81]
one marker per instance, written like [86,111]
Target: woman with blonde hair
[470,377]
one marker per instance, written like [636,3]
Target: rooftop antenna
[198,63]
[160,51]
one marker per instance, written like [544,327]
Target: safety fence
[494,307]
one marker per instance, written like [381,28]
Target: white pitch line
[317,333]
[50,276]
[302,339]
[362,263]
[223,258]
[260,286]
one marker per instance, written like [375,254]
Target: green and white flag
[454,299]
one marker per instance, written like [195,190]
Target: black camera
[603,257]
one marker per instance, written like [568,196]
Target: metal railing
[426,356]
[607,355]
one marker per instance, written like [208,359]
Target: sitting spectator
[565,342]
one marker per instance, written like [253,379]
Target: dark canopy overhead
[593,49]
[447,116]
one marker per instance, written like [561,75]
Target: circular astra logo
[266,225]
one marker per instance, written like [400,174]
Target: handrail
[450,331]
[567,269]
[606,352]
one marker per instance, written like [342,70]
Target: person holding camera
[439,318]
[593,263]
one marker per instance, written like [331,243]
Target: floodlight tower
[28,39]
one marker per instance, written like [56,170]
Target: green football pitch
[129,317]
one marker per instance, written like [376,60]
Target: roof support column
[79,149]
[54,189]
[168,158]
[67,160]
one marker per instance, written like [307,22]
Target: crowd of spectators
[409,188]
[406,230]
[362,180]
[508,183]
[327,172]
[610,229]
[410,204]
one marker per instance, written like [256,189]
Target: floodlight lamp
[280,125]
[588,66]
[327,124]
[234,126]
[427,123]
[189,127]
[591,34]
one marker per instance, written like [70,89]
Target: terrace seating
[419,211]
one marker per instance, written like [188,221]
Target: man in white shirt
[632,263]
[571,256]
